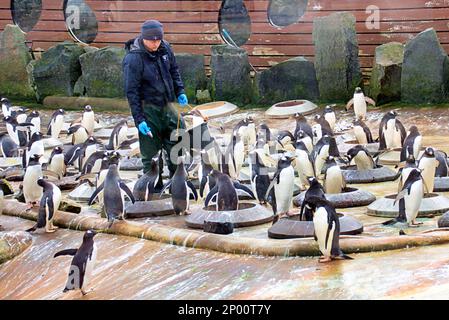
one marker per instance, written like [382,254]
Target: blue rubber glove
[145,129]
[182,99]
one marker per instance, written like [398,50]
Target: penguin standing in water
[56,123]
[145,187]
[302,124]
[35,146]
[118,136]
[359,102]
[113,194]
[428,164]
[280,190]
[260,180]
[236,155]
[79,134]
[304,163]
[362,133]
[180,189]
[57,163]
[320,154]
[35,119]
[362,158]
[32,191]
[329,115]
[442,170]
[409,199]
[207,182]
[412,142]
[391,132]
[88,119]
[50,201]
[315,190]
[326,229]
[334,181]
[83,263]
[225,193]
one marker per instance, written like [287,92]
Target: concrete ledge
[77,103]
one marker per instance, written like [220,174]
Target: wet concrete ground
[129,268]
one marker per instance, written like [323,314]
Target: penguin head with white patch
[89,234]
[88,108]
[41,182]
[249,119]
[74,129]
[429,152]
[35,137]
[10,119]
[60,111]
[34,114]
[391,114]
[57,150]
[330,161]
[301,134]
[413,130]
[34,160]
[90,141]
[312,181]
[358,90]
[329,108]
[354,151]
[285,161]
[300,117]
[114,157]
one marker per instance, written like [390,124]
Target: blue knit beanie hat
[152,30]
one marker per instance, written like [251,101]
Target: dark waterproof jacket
[150,77]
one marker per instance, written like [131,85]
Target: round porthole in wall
[80,21]
[282,13]
[26,13]
[234,22]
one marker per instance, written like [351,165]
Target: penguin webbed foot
[324,259]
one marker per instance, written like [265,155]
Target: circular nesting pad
[431,205]
[441,184]
[249,214]
[292,227]
[379,174]
[82,193]
[350,197]
[142,209]
[131,164]
[286,109]
[345,146]
[216,109]
[67,183]
[50,143]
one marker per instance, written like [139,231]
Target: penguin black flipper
[95,194]
[192,189]
[66,252]
[203,185]
[244,189]
[71,156]
[125,188]
[275,180]
[210,195]
[168,184]
[41,218]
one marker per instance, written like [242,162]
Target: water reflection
[282,13]
[26,13]
[80,20]
[234,22]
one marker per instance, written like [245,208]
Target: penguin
[51,198]
[362,158]
[88,119]
[315,190]
[280,190]
[264,133]
[285,140]
[207,182]
[8,147]
[31,190]
[145,187]
[263,151]
[118,136]
[35,146]
[321,129]
[82,264]
[391,132]
[35,119]
[329,115]
[428,164]
[79,134]
[225,193]
[334,182]
[442,170]
[302,124]
[180,189]
[304,162]
[246,130]
[359,102]
[320,154]
[413,142]
[93,163]
[236,155]
[56,163]
[410,164]
[362,133]
[6,107]
[260,180]
[21,115]
[17,132]
[56,122]
[409,199]
[81,152]
[251,134]
[113,194]
[307,140]
[326,226]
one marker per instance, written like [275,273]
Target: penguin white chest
[359,105]
[88,121]
[239,156]
[404,175]
[57,164]
[80,136]
[57,126]
[360,135]
[428,167]
[330,118]
[303,164]
[417,144]
[317,133]
[334,180]
[90,266]
[31,190]
[413,201]
[363,161]
[321,226]
[284,190]
[321,159]
[392,135]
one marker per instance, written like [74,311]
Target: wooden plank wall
[191,25]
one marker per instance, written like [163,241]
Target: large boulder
[230,79]
[14,58]
[102,74]
[425,71]
[336,56]
[288,80]
[385,83]
[13,243]
[57,71]
[191,67]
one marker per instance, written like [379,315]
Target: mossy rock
[13,243]
[191,67]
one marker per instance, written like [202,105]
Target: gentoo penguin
[412,142]
[17,132]
[8,147]
[145,187]
[280,190]
[442,170]
[315,190]
[118,136]
[427,164]
[83,263]
[21,115]
[246,130]
[326,229]
[225,193]
[359,102]
[31,190]
[409,199]
[81,152]
[6,107]
[302,124]
[260,180]
[321,129]
[56,123]
[391,132]
[329,115]
[35,146]
[304,138]
[410,164]
[113,194]
[362,158]
[251,133]
[264,133]
[362,133]
[56,163]
[93,163]
[79,134]
[207,182]
[50,201]
[334,181]
[180,189]
[88,119]
[35,119]
[263,150]
[320,154]
[236,155]
[285,140]
[304,163]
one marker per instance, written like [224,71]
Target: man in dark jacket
[152,83]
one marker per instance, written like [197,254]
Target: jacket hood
[137,45]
